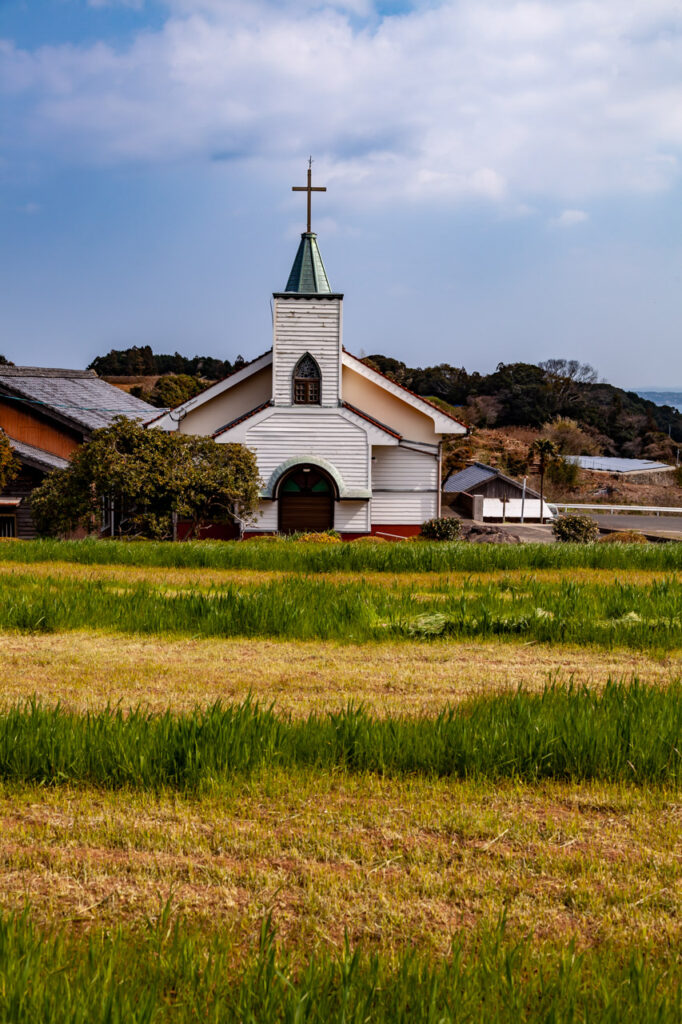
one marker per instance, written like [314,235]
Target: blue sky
[503,177]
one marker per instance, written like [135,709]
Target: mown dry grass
[86,670]
[392,862]
[427,581]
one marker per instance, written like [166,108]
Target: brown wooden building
[47,413]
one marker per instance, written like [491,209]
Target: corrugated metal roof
[36,456]
[308,275]
[77,395]
[606,464]
[469,477]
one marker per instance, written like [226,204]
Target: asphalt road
[661,525]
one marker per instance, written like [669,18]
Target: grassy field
[625,733]
[295,556]
[642,616]
[85,671]
[457,850]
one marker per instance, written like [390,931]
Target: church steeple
[308,275]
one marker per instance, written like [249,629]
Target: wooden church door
[306,502]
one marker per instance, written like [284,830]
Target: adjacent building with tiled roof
[47,413]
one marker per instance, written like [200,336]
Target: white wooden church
[339,445]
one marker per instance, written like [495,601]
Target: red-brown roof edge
[244,416]
[372,420]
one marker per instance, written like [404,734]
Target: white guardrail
[650,509]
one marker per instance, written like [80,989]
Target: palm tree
[545,451]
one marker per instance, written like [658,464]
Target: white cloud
[508,102]
[569,218]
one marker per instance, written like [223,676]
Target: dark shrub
[441,528]
[575,529]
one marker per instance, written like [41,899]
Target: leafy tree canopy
[170,390]
[148,475]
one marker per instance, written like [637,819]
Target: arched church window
[307,381]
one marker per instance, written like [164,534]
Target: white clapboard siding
[296,434]
[351,516]
[402,469]
[307,325]
[407,508]
[265,518]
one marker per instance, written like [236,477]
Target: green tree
[147,477]
[173,389]
[544,452]
[9,464]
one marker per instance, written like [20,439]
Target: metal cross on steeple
[309,188]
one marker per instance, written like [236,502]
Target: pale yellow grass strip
[392,861]
[186,578]
[86,670]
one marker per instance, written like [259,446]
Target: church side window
[307,382]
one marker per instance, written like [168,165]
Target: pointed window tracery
[307,381]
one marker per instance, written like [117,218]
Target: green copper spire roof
[308,275]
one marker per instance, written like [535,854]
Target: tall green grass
[627,733]
[176,973]
[391,557]
[309,607]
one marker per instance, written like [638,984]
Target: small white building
[339,445]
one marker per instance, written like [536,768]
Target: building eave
[240,419]
[370,419]
[308,295]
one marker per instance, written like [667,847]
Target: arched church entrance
[306,501]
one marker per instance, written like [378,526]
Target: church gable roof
[444,422]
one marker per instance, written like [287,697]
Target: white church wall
[402,469]
[298,433]
[405,508]
[351,516]
[307,325]
[229,405]
[266,518]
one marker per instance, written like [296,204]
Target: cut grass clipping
[627,733]
[304,607]
[422,556]
[174,973]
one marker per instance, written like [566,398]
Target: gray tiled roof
[469,477]
[78,395]
[36,456]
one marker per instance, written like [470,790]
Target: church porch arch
[306,496]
